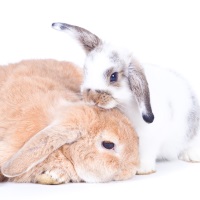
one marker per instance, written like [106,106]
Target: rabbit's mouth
[99,98]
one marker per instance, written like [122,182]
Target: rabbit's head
[112,76]
[101,145]
[109,150]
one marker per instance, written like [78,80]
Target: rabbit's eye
[108,145]
[114,77]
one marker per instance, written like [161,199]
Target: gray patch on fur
[139,85]
[193,118]
[115,58]
[88,40]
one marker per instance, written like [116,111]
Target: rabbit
[160,103]
[48,135]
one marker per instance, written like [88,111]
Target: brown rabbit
[49,136]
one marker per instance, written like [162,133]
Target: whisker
[119,104]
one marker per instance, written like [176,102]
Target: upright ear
[88,40]
[38,149]
[139,86]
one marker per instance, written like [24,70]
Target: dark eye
[114,77]
[108,145]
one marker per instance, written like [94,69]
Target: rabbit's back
[63,73]
[176,111]
[173,100]
[30,91]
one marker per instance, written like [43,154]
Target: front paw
[146,168]
[190,155]
[56,169]
[57,176]
[53,177]
[56,172]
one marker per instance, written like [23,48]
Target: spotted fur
[142,92]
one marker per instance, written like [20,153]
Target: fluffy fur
[142,92]
[49,136]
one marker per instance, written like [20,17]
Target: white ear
[38,149]
[139,86]
[88,40]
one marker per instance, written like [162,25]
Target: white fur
[170,100]
[96,64]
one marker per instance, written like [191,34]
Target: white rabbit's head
[112,75]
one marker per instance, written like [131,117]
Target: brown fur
[47,135]
[100,98]
[30,90]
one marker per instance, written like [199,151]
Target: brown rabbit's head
[109,149]
[101,145]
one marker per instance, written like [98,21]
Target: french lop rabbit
[114,78]
[49,136]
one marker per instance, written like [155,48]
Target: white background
[165,33]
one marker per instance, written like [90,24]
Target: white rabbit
[114,78]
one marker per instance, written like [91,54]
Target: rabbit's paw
[146,168]
[56,176]
[190,155]
[53,177]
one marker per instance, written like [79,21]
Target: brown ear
[88,40]
[38,149]
[139,85]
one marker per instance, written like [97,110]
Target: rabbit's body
[176,123]
[114,78]
[32,90]
[48,135]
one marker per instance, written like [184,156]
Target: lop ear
[139,85]
[88,40]
[38,149]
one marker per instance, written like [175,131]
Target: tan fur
[99,98]
[31,89]
[48,136]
